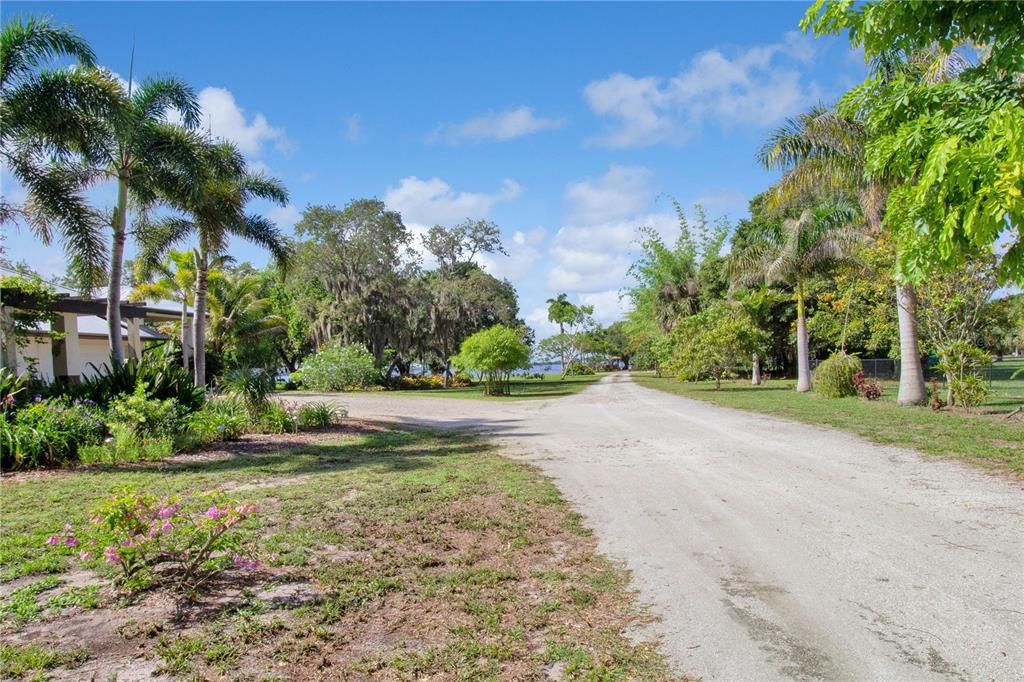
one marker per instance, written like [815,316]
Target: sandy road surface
[775,550]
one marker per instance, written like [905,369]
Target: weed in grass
[22,606]
[18,661]
[87,597]
[178,653]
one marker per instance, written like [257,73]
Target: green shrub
[163,376]
[253,386]
[319,414]
[50,432]
[278,418]
[578,369]
[495,353]
[144,414]
[962,364]
[219,419]
[339,368]
[127,445]
[835,377]
[429,382]
[970,390]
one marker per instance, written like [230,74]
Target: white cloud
[621,191]
[759,86]
[224,118]
[284,217]
[524,252]
[502,126]
[542,326]
[353,128]
[432,201]
[609,306]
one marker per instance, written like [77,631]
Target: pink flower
[168,511]
[70,542]
[111,554]
[127,543]
[214,513]
[84,556]
[53,540]
[245,563]
[167,526]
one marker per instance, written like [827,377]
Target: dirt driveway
[771,549]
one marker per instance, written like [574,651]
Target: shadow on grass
[399,447]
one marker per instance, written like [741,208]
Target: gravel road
[770,549]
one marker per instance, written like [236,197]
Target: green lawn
[987,440]
[551,386]
[391,553]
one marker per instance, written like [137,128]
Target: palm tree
[792,251]
[214,210]
[49,118]
[172,279]
[149,159]
[822,149]
[238,312]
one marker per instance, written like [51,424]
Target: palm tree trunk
[803,358]
[199,324]
[186,334]
[755,372]
[911,390]
[120,225]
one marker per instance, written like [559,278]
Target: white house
[84,344]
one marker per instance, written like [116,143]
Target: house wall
[92,349]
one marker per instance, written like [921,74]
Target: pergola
[68,308]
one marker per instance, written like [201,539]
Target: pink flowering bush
[149,539]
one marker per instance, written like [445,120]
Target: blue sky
[564,123]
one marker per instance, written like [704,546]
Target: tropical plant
[221,418]
[242,322]
[793,250]
[50,118]
[140,412]
[150,159]
[836,377]
[962,363]
[339,367]
[253,386]
[50,432]
[213,212]
[494,353]
[172,278]
[162,376]
[319,414]
[825,148]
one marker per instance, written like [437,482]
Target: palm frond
[155,98]
[26,44]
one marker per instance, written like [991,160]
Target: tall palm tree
[48,119]
[794,250]
[149,159]
[172,278]
[213,209]
[823,149]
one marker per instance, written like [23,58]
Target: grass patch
[551,386]
[397,553]
[18,662]
[985,440]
